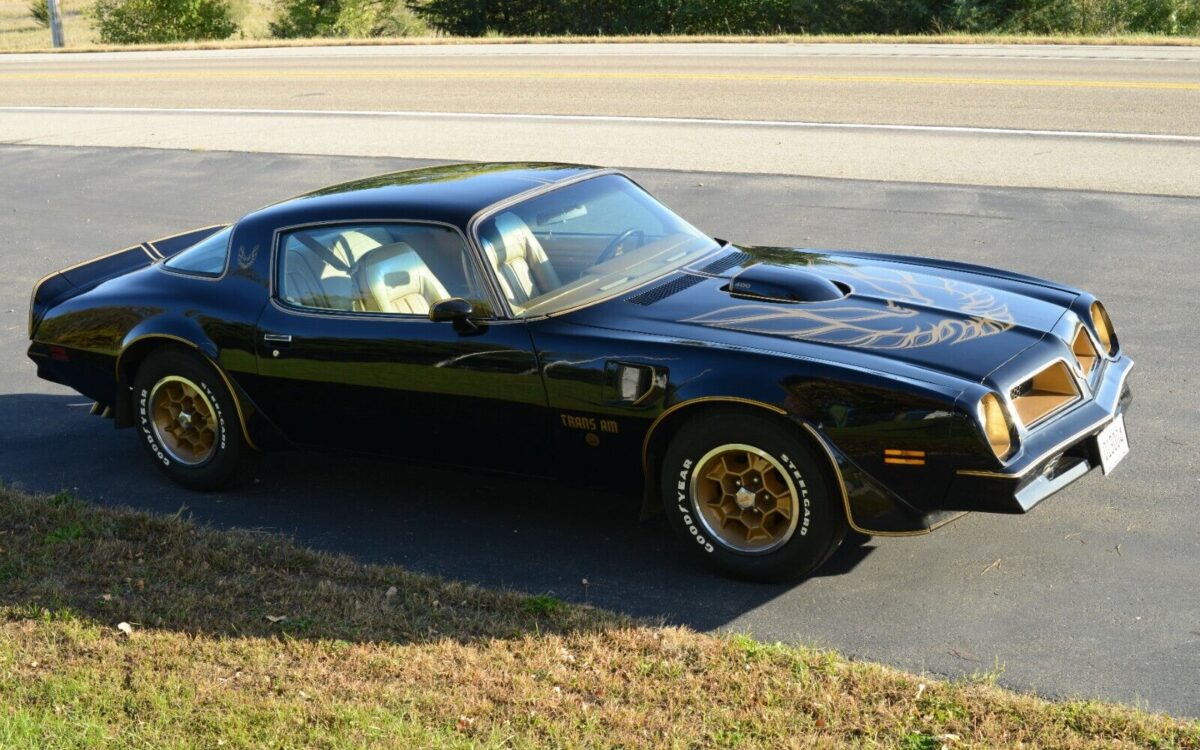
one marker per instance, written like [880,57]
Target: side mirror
[454,310]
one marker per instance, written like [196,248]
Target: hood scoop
[770,283]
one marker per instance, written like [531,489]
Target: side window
[206,258]
[401,269]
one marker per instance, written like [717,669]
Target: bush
[548,17]
[304,18]
[349,18]
[533,17]
[1077,16]
[141,21]
[40,10]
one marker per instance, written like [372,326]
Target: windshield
[584,242]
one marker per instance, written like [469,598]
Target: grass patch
[542,604]
[67,533]
[245,640]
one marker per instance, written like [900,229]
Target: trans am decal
[890,310]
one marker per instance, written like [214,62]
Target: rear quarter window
[206,258]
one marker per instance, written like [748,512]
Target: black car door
[348,358]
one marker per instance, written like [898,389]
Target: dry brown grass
[371,656]
[19,32]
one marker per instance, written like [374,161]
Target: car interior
[402,269]
[405,269]
[561,249]
[522,266]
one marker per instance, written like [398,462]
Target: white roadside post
[56,35]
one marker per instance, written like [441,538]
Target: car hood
[953,318]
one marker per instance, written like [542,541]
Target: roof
[450,193]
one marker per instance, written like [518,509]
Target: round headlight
[995,425]
[1104,328]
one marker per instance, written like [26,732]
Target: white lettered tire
[748,496]
[186,419]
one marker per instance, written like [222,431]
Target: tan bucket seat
[521,264]
[394,279]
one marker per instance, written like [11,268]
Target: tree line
[131,21]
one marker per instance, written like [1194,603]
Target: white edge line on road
[627,119]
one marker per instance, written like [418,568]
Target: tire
[201,448]
[743,530]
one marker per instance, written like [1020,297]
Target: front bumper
[1053,457]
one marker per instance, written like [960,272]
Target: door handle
[277,341]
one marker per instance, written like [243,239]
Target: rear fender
[56,288]
[72,281]
[156,333]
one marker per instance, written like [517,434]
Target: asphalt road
[1092,594]
[1148,90]
[1091,118]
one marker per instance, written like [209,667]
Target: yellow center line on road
[632,76]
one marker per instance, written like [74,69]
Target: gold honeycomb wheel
[745,499]
[184,420]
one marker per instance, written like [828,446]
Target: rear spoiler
[72,281]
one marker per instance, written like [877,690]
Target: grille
[725,263]
[1085,353]
[1047,392]
[664,290]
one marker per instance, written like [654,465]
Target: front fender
[892,443]
[852,414]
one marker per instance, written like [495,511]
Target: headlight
[1104,328]
[995,425]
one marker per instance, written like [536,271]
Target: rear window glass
[206,257]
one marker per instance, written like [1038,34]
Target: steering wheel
[617,246]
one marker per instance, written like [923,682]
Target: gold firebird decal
[892,326]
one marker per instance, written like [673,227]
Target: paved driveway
[1094,594]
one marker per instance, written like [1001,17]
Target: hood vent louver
[664,290]
[771,283]
[725,263]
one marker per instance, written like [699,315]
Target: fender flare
[204,347]
[650,493]
[920,526]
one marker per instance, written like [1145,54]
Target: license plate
[1113,444]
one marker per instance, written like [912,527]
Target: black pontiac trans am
[558,321]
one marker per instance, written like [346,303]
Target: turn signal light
[903,457]
[1104,328]
[995,425]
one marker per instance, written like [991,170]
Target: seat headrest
[514,235]
[387,252]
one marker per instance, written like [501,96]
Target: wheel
[750,497]
[187,420]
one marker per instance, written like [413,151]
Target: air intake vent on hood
[662,291]
[725,263]
[784,284]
